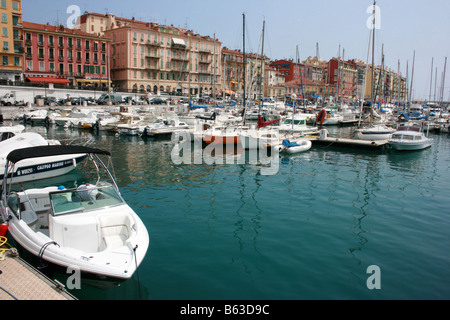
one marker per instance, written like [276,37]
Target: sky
[407,30]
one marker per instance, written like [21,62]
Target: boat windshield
[296,122]
[84,198]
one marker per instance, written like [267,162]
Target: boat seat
[29,217]
[115,230]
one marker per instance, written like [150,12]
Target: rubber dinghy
[294,147]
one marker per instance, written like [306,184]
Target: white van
[115,98]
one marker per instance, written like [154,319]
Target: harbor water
[316,229]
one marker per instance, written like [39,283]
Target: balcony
[60,58]
[152,56]
[153,43]
[28,42]
[51,58]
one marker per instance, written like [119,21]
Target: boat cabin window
[82,199]
[396,136]
[296,122]
[406,137]
[6,135]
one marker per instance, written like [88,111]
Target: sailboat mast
[443,82]
[243,60]
[262,70]
[431,79]
[412,76]
[373,51]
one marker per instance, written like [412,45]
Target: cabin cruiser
[297,124]
[374,132]
[7,132]
[409,138]
[89,227]
[36,168]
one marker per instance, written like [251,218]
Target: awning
[180,42]
[48,80]
[92,80]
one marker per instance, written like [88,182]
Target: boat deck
[20,281]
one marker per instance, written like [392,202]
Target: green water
[308,232]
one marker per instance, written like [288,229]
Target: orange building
[11,37]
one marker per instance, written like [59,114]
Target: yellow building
[11,46]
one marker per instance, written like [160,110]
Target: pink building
[56,54]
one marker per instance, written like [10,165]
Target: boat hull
[409,146]
[43,168]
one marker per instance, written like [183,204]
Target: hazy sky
[406,26]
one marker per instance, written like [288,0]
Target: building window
[52,67]
[17,61]
[15,5]
[5,60]
[4,18]
[29,65]
[5,45]
[5,31]
[41,66]
[3,4]
[87,45]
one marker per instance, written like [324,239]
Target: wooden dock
[349,143]
[20,281]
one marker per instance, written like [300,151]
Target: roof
[59,29]
[46,151]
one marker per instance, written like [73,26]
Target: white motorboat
[36,168]
[374,132]
[165,126]
[90,227]
[329,116]
[10,131]
[297,124]
[409,138]
[294,147]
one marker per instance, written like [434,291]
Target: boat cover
[45,151]
[289,144]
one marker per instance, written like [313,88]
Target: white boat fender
[279,148]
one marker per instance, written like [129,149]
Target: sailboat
[373,131]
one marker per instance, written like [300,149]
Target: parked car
[157,101]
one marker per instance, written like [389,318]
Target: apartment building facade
[149,57]
[58,55]
[11,41]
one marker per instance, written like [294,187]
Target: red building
[289,69]
[343,76]
[59,55]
